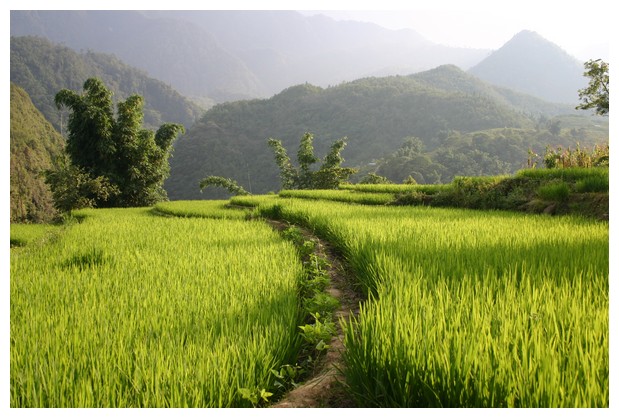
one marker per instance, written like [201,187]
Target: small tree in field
[328,176]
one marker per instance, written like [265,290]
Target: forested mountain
[530,64]
[227,55]
[43,68]
[34,144]
[439,107]
[177,52]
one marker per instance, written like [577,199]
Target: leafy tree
[73,188]
[117,150]
[331,174]
[328,176]
[596,95]
[226,183]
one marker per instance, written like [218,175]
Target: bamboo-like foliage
[128,309]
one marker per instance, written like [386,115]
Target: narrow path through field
[324,389]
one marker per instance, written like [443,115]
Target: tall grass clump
[128,309]
[471,308]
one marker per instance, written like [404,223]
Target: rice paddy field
[464,308]
[128,309]
[471,308]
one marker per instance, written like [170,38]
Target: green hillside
[43,68]
[34,143]
[376,115]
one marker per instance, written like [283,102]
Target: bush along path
[328,296]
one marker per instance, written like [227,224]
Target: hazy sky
[579,27]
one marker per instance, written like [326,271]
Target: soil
[325,387]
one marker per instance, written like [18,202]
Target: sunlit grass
[127,309]
[471,308]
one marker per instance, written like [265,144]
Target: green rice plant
[24,234]
[592,185]
[253,200]
[556,191]
[396,188]
[128,309]
[471,308]
[347,196]
[571,174]
[199,208]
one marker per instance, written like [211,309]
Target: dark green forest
[460,125]
[43,68]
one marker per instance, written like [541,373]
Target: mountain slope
[530,64]
[43,68]
[230,55]
[34,144]
[375,114]
[176,52]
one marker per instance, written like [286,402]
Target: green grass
[218,209]
[396,188]
[572,174]
[127,309]
[471,308]
[347,196]
[24,234]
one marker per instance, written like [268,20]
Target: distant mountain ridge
[376,114]
[231,55]
[43,68]
[530,64]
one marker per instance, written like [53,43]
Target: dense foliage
[43,68]
[444,108]
[34,146]
[115,148]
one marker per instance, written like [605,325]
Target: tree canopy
[596,95]
[116,150]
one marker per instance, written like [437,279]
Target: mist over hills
[43,68]
[530,64]
[221,56]
[460,121]
[212,56]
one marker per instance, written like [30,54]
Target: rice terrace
[440,239]
[201,304]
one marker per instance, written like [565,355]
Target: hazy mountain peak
[531,64]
